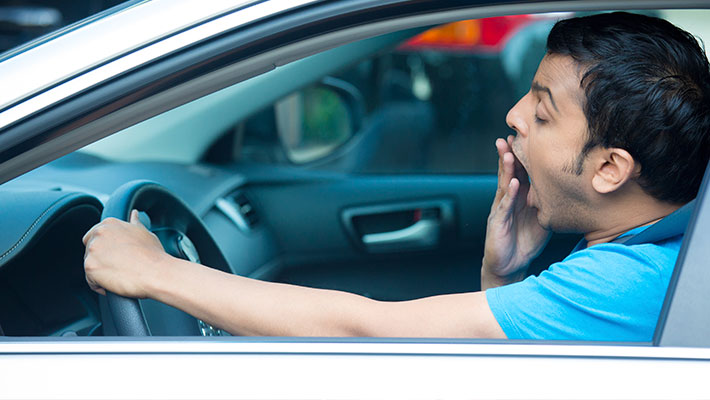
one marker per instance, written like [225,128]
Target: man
[612,137]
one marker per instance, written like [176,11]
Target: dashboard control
[209,330]
[239,210]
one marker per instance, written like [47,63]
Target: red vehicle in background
[486,35]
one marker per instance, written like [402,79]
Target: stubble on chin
[568,214]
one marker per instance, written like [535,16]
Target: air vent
[239,210]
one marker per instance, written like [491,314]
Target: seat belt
[673,224]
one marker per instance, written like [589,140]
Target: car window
[431,99]
[433,104]
[430,104]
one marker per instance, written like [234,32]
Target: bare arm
[128,260]
[251,307]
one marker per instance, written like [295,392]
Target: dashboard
[46,212]
[42,287]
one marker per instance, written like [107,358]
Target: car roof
[136,29]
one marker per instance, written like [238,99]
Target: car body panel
[684,319]
[338,370]
[147,42]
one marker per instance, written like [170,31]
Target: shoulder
[613,258]
[604,292]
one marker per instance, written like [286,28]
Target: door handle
[423,233]
[396,227]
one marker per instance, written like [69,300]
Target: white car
[335,144]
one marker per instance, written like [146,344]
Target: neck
[628,215]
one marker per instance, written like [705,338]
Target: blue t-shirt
[608,291]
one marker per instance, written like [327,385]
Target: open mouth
[520,171]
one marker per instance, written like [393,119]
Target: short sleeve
[608,292]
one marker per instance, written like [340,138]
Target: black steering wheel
[182,235]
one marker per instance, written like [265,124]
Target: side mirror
[314,121]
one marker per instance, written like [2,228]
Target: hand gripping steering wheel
[182,235]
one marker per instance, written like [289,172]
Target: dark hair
[647,89]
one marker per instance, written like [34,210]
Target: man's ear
[613,167]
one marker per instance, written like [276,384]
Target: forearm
[246,306]
[250,307]
[126,259]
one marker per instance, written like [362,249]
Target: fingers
[89,234]
[503,147]
[92,245]
[134,219]
[95,287]
[88,247]
[506,168]
[89,264]
[506,206]
[112,247]
[96,228]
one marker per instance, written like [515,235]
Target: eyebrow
[536,87]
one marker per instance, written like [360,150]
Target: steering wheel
[182,235]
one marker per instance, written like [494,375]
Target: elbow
[358,317]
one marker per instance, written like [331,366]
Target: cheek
[543,162]
[519,151]
[532,150]
[549,149]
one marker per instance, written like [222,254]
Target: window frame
[114,105]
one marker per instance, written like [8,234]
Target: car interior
[369,167]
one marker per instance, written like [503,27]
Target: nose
[515,118]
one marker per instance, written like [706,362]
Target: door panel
[318,247]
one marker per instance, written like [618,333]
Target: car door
[363,220]
[309,368]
